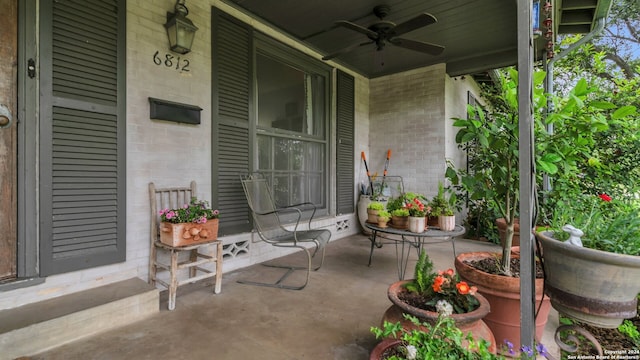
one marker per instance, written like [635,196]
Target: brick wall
[407,115]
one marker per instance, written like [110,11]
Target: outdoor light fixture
[180,30]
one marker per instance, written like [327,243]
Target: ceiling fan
[386,32]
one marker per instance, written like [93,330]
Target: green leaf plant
[490,136]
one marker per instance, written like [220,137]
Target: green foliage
[384,215]
[375,205]
[489,135]
[631,331]
[197,211]
[422,274]
[442,286]
[594,148]
[612,226]
[395,203]
[440,341]
[440,204]
[400,212]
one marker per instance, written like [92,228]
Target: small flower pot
[373,216]
[400,222]
[447,223]
[184,234]
[416,224]
[383,223]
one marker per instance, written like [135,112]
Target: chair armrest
[302,205]
[284,210]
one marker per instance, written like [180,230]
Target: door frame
[26,118]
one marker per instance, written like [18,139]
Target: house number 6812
[171,61]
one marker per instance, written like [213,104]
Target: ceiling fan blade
[421,46]
[361,29]
[345,50]
[419,21]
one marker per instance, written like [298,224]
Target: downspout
[600,22]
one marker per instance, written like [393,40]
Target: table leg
[372,238]
[402,256]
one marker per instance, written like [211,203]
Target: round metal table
[410,240]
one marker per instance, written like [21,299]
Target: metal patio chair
[267,223]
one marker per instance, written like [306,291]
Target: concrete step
[40,326]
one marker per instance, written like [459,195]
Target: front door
[8,137]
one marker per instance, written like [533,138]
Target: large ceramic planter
[416,224]
[468,322]
[503,293]
[185,234]
[592,286]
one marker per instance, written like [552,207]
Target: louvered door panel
[231,45]
[83,138]
[345,110]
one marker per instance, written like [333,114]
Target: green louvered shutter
[231,89]
[345,110]
[82,129]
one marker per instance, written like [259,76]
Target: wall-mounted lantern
[180,30]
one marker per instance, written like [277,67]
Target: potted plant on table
[442,210]
[383,218]
[418,211]
[431,294]
[400,218]
[372,210]
[191,224]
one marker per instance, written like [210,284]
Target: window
[270,114]
[291,128]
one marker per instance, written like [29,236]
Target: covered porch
[329,319]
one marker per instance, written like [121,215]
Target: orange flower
[463,288]
[449,272]
[437,283]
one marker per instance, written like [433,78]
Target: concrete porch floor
[329,319]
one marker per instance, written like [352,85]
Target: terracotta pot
[373,216]
[503,293]
[379,350]
[501,223]
[383,224]
[416,224]
[468,322]
[363,217]
[596,287]
[183,234]
[400,222]
[432,220]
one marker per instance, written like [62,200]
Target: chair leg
[321,256]
[290,270]
[173,283]
[218,286]
[152,265]
[193,257]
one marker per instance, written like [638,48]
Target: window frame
[265,45]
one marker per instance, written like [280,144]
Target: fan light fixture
[180,30]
